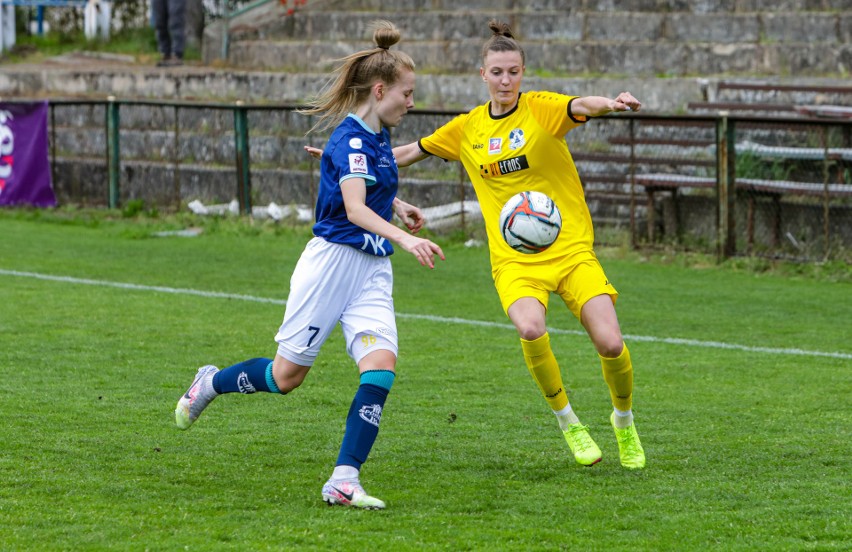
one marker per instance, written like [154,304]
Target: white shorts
[337,283]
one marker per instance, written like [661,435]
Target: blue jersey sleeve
[353,158]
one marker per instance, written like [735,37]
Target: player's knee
[288,375]
[610,347]
[287,383]
[530,330]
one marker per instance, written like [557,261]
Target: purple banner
[24,164]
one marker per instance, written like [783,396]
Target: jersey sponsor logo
[355,143]
[358,163]
[371,413]
[376,242]
[516,139]
[505,166]
[244,385]
[495,145]
[478,146]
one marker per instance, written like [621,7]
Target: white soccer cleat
[349,493]
[197,397]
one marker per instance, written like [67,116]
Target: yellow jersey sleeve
[551,111]
[446,142]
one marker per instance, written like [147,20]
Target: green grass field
[743,380]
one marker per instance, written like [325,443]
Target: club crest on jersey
[506,166]
[384,162]
[358,163]
[371,413]
[495,145]
[516,139]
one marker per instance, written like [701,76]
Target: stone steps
[587,58]
[637,38]
[536,25]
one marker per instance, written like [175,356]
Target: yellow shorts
[576,278]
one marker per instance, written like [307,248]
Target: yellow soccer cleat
[629,448]
[585,451]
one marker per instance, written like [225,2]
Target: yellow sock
[545,371]
[618,374]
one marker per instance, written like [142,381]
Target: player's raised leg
[544,369]
[251,376]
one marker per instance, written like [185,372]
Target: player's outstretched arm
[405,155]
[409,154]
[595,106]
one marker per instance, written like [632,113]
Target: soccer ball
[530,222]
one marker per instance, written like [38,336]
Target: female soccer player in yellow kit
[515,143]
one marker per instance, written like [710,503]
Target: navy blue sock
[249,376]
[362,423]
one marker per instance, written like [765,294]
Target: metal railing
[731,185]
[228,15]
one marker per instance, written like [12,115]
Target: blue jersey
[355,151]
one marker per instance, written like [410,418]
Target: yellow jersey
[524,149]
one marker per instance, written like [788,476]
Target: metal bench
[773,189]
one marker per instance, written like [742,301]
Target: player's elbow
[352,215]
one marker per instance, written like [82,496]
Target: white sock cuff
[623,413]
[345,472]
[565,411]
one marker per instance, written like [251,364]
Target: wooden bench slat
[626,141]
[740,106]
[642,159]
[675,181]
[788,152]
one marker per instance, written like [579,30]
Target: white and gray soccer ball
[530,222]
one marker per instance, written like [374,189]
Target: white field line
[427,317]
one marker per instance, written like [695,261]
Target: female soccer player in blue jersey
[515,143]
[344,274]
